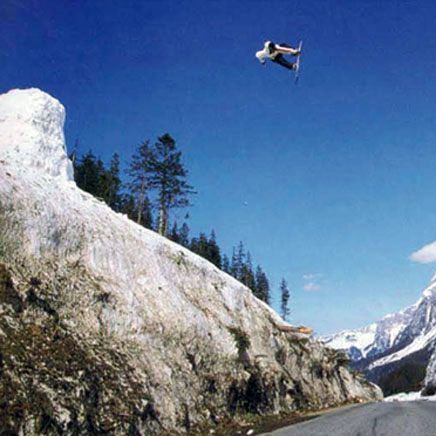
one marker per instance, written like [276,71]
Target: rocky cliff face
[108,328]
[430,377]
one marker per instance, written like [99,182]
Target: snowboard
[304,330]
[297,71]
[299,329]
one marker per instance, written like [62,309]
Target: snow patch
[428,292]
[410,396]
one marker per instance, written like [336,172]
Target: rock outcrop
[430,376]
[108,328]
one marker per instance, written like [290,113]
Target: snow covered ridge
[31,133]
[406,336]
[144,324]
[372,340]
[355,342]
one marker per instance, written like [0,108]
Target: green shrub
[241,339]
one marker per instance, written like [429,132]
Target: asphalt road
[377,419]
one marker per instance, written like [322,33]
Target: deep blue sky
[329,184]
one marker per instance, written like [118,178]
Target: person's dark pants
[279,59]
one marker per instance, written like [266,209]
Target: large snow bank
[31,133]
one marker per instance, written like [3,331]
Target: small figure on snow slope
[275,52]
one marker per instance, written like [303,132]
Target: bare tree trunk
[165,223]
[141,203]
[161,225]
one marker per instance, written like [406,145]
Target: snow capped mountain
[372,340]
[355,342]
[393,338]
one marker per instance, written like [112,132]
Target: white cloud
[311,286]
[312,277]
[313,282]
[426,254]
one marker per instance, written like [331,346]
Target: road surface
[416,418]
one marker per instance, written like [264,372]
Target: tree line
[156,184]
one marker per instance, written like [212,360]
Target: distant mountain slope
[109,328]
[397,338]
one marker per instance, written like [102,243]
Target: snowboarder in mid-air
[275,53]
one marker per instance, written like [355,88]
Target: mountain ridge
[408,335]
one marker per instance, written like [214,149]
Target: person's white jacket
[271,50]
[266,53]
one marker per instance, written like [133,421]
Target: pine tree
[238,260]
[147,215]
[284,291]
[184,235]
[234,266]
[213,250]
[240,256]
[139,170]
[111,184]
[128,206]
[225,264]
[168,177]
[88,174]
[247,275]
[200,245]
[91,175]
[262,288]
[174,235]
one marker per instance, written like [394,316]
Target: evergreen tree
[91,175]
[213,251]
[207,248]
[184,235]
[194,246]
[168,177]
[284,291]
[225,264]
[88,174]
[238,260]
[139,170]
[174,235]
[147,215]
[111,184]
[200,245]
[408,377]
[234,266]
[247,275]
[128,206]
[262,288]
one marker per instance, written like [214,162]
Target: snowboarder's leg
[279,59]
